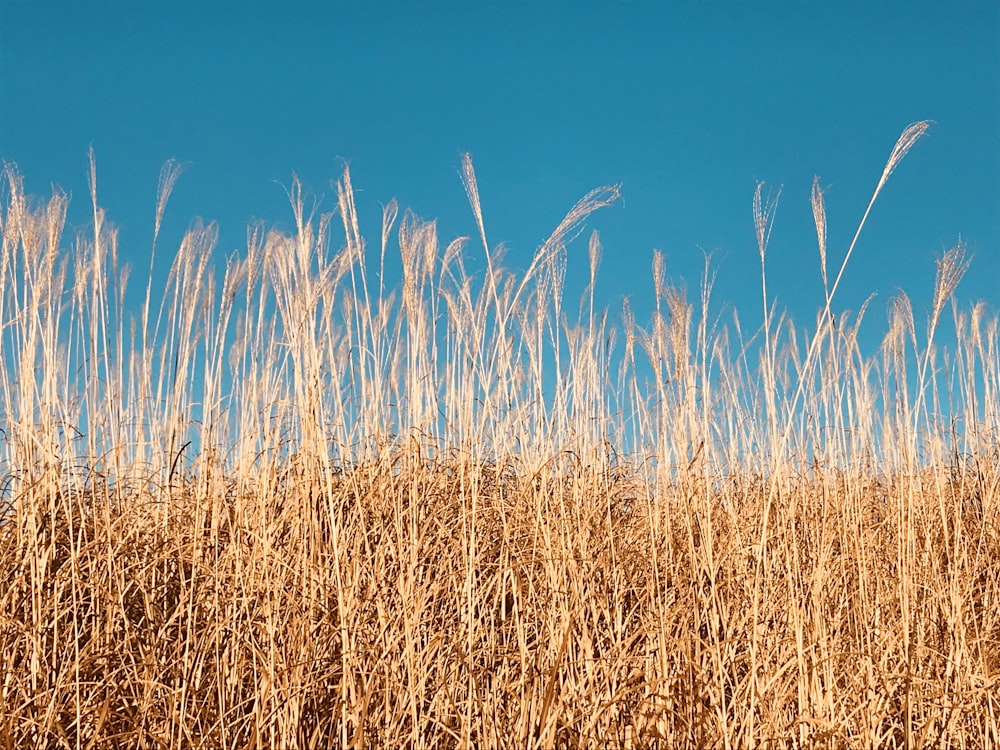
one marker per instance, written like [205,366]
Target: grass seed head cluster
[297,509]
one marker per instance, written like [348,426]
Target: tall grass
[296,509]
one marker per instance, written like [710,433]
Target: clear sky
[687,105]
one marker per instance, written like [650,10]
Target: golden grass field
[300,510]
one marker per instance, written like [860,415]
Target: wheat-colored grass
[296,509]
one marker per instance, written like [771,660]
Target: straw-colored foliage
[296,509]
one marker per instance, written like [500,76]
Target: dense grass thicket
[296,509]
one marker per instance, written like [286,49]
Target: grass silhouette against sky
[687,108]
[298,507]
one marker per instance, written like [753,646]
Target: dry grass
[296,510]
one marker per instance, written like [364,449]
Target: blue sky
[687,105]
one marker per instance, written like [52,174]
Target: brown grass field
[299,510]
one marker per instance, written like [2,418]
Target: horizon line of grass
[293,508]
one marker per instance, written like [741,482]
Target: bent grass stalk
[301,510]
